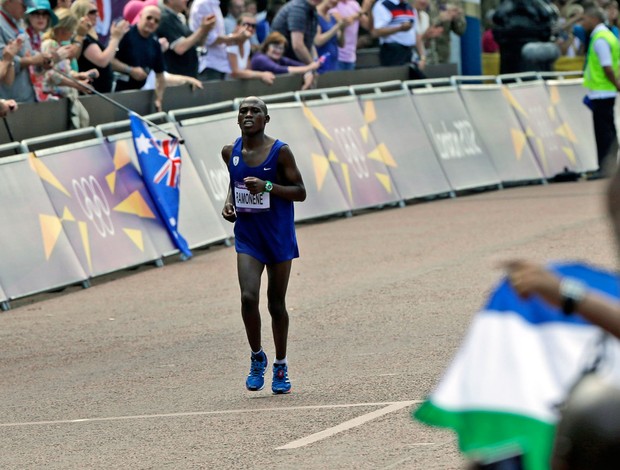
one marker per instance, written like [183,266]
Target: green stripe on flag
[486,433]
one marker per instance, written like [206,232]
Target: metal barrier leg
[86,284]
[5,306]
[159,263]
[228,241]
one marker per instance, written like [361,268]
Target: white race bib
[247,202]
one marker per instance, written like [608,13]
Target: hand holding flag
[518,361]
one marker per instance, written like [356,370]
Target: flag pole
[118,105]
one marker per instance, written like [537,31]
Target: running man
[264,182]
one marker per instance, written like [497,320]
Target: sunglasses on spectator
[93,12]
[40,13]
[277,47]
[152,18]
[249,25]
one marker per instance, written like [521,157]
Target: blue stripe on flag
[536,311]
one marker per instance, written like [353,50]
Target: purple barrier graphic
[200,221]
[567,97]
[352,152]
[546,132]
[324,196]
[35,251]
[459,148]
[404,145]
[139,201]
[501,132]
[85,188]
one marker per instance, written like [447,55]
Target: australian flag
[160,163]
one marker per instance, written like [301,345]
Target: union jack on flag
[170,150]
[161,161]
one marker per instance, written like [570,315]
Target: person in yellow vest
[601,81]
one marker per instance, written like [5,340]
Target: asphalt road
[145,370]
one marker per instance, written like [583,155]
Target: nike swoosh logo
[267,169]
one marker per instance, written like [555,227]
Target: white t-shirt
[242,59]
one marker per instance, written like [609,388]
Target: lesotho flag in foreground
[160,163]
[517,363]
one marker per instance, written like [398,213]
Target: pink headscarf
[133,8]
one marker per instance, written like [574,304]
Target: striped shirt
[390,13]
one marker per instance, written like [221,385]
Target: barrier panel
[35,250]
[204,139]
[323,194]
[567,97]
[200,221]
[37,119]
[87,192]
[547,133]
[352,152]
[401,137]
[501,132]
[459,148]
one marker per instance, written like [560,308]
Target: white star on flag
[143,144]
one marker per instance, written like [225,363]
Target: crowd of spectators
[162,43]
[540,30]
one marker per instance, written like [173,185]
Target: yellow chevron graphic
[383,155]
[364,130]
[45,174]
[512,100]
[136,237]
[565,131]
[385,181]
[121,155]
[370,113]
[315,122]
[85,243]
[320,163]
[541,152]
[570,153]
[332,157]
[554,94]
[67,215]
[551,113]
[50,230]
[135,204]
[347,179]
[518,142]
[111,180]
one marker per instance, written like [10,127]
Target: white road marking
[200,413]
[346,425]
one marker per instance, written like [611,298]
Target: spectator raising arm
[7,65]
[182,45]
[102,58]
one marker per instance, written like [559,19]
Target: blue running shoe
[280,383]
[256,377]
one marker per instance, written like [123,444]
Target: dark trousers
[604,129]
[510,60]
[391,54]
[211,74]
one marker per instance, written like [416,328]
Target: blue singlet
[267,234]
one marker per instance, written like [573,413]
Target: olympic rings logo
[348,142]
[94,204]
